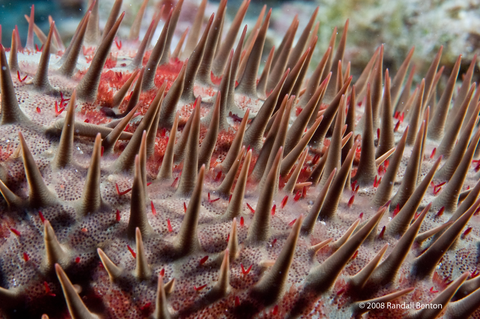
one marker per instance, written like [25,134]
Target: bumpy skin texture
[34,280]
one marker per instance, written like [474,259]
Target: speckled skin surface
[26,270]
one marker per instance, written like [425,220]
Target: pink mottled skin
[22,247]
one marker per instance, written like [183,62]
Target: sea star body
[206,193]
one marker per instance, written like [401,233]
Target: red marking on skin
[284,201]
[440,212]
[174,184]
[396,126]
[437,188]
[154,211]
[402,116]
[242,221]
[275,310]
[274,241]
[117,217]
[292,222]
[169,226]
[16,232]
[433,152]
[356,188]
[77,260]
[162,272]
[197,289]
[433,291]
[118,76]
[229,198]
[439,185]
[118,44]
[466,232]
[386,163]
[382,232]
[475,273]
[131,251]
[203,260]
[351,200]
[61,97]
[26,257]
[88,50]
[111,62]
[219,175]
[397,209]
[121,193]
[58,111]
[228,238]
[84,230]
[477,168]
[416,215]
[87,121]
[476,212]
[245,272]
[360,216]
[184,207]
[212,200]
[41,217]
[354,255]
[274,207]
[396,115]
[198,99]
[381,170]
[38,110]
[147,305]
[375,181]
[378,133]
[297,196]
[235,117]
[359,148]
[298,110]
[215,79]
[304,169]
[20,78]
[237,301]
[47,289]
[354,183]
[341,291]
[304,192]
[101,151]
[251,209]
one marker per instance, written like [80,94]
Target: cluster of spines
[277,153]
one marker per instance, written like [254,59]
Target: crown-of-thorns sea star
[210,192]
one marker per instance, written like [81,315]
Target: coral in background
[426,25]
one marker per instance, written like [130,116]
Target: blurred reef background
[425,24]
